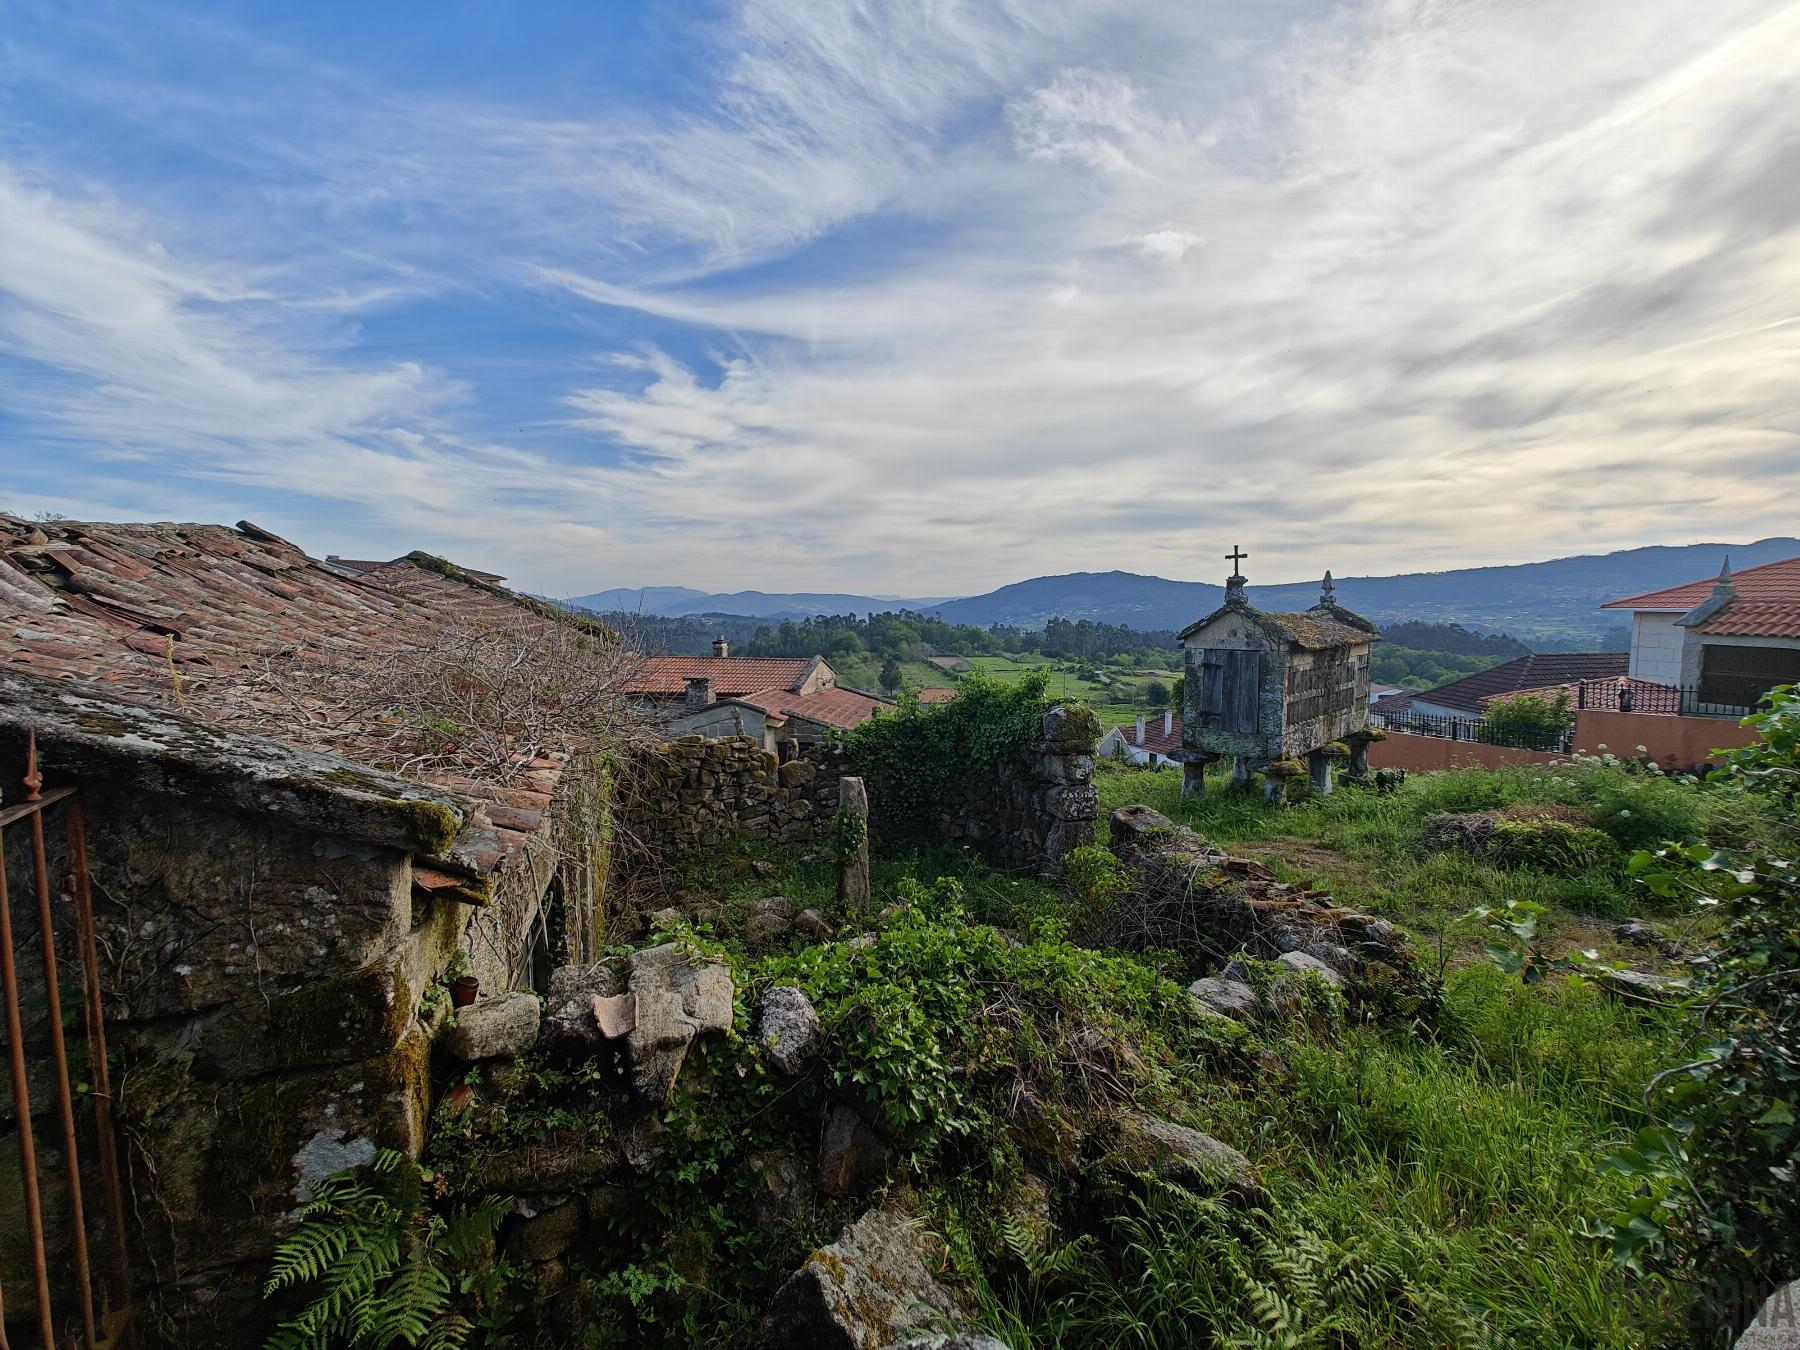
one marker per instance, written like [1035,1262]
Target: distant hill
[1553,603]
[677,601]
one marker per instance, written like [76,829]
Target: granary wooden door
[1231,688]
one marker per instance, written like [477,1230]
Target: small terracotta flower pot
[463,991]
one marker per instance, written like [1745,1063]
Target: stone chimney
[1140,735]
[1168,721]
[699,692]
[721,648]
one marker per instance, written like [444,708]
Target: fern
[379,1263]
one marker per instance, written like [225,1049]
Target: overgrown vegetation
[1717,1200]
[914,758]
[1426,1184]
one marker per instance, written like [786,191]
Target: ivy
[917,756]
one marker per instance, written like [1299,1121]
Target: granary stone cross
[1236,556]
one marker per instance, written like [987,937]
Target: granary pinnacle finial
[1327,591]
[1725,570]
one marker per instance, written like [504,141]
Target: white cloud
[1388,285]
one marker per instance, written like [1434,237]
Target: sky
[910,297]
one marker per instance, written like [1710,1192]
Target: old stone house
[790,702]
[275,905]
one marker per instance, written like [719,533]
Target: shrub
[1535,721]
[1549,846]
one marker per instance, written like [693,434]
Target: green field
[1114,704]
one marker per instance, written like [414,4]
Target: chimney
[699,692]
[1140,735]
[721,648]
[1168,721]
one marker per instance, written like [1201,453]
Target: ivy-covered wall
[999,766]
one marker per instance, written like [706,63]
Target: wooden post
[851,839]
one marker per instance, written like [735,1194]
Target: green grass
[1364,847]
[1425,1187]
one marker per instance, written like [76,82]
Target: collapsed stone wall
[1033,808]
[693,793]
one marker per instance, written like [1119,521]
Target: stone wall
[271,997]
[695,793]
[1033,809]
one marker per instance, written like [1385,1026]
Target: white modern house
[1723,641]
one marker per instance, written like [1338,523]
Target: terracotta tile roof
[1540,670]
[1771,581]
[1756,618]
[936,695]
[732,676]
[834,707]
[183,618]
[1155,739]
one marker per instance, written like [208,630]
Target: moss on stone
[102,725]
[341,1017]
[433,824]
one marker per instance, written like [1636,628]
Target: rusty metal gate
[100,1306]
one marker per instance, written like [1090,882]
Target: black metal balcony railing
[1474,730]
[1641,696]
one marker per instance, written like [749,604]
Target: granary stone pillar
[1359,743]
[1193,778]
[1318,771]
[1241,771]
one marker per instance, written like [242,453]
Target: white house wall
[1656,646]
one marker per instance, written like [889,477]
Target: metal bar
[15,1031]
[99,1072]
[59,1052]
[33,805]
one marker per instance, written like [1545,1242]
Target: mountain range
[1553,601]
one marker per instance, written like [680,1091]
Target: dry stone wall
[1034,808]
[694,793]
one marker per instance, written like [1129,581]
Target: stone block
[568,1021]
[1143,1143]
[1303,964]
[675,1003]
[546,1236]
[789,1029]
[870,1289]
[223,1163]
[852,1157]
[495,1028]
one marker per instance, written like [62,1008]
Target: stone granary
[1272,690]
[278,899]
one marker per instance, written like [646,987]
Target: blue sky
[907,298]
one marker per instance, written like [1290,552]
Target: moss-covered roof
[1316,629]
